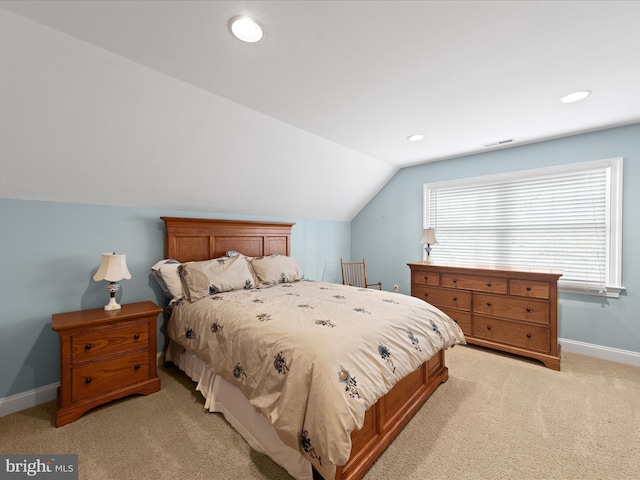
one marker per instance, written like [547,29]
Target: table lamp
[113,267]
[428,237]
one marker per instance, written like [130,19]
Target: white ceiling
[366,74]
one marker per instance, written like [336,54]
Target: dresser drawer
[530,337]
[423,277]
[509,307]
[100,344]
[96,378]
[528,288]
[470,282]
[441,297]
[462,318]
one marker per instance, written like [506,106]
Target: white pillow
[171,277]
[275,269]
[166,274]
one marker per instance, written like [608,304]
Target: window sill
[609,291]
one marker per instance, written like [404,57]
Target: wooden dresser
[509,309]
[105,355]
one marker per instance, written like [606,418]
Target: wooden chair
[355,274]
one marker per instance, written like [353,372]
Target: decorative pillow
[223,274]
[166,274]
[275,269]
[233,253]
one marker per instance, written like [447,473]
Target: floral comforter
[313,357]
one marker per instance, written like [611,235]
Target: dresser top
[484,269]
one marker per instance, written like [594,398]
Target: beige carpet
[498,417]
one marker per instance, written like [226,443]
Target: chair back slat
[355,274]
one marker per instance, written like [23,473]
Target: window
[565,218]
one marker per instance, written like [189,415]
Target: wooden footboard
[384,420]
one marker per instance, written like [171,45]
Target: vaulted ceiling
[350,80]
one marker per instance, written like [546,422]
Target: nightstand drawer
[97,378]
[530,337]
[479,284]
[422,277]
[100,344]
[509,307]
[441,297]
[528,288]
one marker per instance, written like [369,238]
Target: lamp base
[112,305]
[112,288]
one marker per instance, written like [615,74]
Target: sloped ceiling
[310,122]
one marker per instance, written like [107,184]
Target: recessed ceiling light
[575,96]
[245,29]
[415,138]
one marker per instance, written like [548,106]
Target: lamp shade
[113,267]
[429,236]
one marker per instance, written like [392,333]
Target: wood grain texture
[193,239]
[105,355]
[508,309]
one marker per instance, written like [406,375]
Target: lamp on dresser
[113,268]
[428,238]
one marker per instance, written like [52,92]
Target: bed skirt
[224,397]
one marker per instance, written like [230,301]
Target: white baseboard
[160,359]
[31,398]
[603,353]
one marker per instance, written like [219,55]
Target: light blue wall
[387,231]
[50,252]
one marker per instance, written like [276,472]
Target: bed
[370,419]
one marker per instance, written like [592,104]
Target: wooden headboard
[193,239]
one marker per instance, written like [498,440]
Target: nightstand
[105,355]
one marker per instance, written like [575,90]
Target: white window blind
[566,218]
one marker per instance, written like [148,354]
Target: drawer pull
[87,346]
[489,284]
[488,327]
[426,294]
[488,304]
[528,289]
[136,336]
[137,367]
[87,380]
[455,281]
[528,309]
[455,299]
[528,335]
[426,278]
